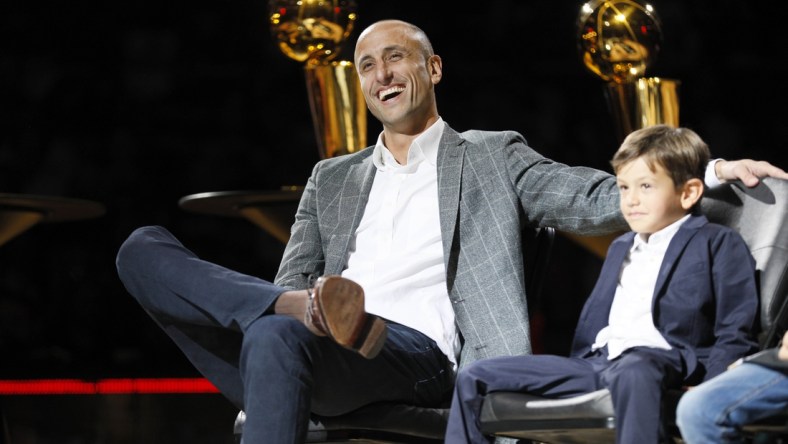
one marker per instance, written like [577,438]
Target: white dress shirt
[397,253]
[630,323]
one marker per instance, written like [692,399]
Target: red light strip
[106,386]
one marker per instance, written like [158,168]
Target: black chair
[760,214]
[402,423]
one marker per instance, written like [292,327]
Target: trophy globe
[619,41]
[313,32]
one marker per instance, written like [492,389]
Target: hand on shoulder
[747,170]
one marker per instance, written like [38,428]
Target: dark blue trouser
[271,366]
[637,381]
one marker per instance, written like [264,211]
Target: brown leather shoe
[336,308]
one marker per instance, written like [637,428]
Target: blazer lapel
[451,153]
[680,240]
[614,260]
[355,192]
[353,198]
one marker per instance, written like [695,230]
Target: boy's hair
[679,151]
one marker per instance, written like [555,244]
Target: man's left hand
[747,170]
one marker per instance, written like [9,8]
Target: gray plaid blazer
[490,186]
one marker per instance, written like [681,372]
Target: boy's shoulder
[717,234]
[698,223]
[705,226]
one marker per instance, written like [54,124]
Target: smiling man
[419,238]
[398,71]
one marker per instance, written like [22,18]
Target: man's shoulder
[486,142]
[476,136]
[345,159]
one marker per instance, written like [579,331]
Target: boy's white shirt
[630,323]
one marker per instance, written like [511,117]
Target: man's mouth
[389,93]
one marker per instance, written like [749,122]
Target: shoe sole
[341,303]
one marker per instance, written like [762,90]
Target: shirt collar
[424,147]
[661,237]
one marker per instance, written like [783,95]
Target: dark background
[135,104]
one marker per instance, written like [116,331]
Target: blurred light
[105,386]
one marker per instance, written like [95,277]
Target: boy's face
[649,199]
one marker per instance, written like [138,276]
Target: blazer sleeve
[737,301]
[303,254]
[575,199]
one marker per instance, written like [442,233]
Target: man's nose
[383,73]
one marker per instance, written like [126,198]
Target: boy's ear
[691,193]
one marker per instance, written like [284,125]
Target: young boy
[675,303]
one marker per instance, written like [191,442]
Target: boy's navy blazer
[705,300]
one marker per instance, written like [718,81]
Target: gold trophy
[312,32]
[618,41]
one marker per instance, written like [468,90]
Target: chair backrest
[537,250]
[760,215]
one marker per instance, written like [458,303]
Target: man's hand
[747,170]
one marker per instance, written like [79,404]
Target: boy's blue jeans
[715,411]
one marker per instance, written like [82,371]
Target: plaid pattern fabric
[490,186]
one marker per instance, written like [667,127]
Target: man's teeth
[387,93]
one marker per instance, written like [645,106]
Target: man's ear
[691,193]
[435,67]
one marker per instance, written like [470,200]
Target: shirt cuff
[711,180]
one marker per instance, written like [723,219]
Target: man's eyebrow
[394,48]
[386,50]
